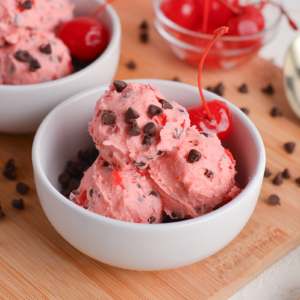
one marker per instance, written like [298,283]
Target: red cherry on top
[85,37]
[214,116]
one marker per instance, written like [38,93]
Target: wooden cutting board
[37,263]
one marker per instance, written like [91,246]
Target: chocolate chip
[149,129]
[245,110]
[131,114]
[64,178]
[131,65]
[286,174]
[46,49]
[160,152]
[275,112]
[85,155]
[289,147]
[91,192]
[22,188]
[268,89]
[208,173]
[147,141]
[209,88]
[119,85]
[108,117]
[151,219]
[165,104]
[219,89]
[198,209]
[144,37]
[144,25]
[178,133]
[25,4]
[274,200]
[73,184]
[66,192]
[194,156]
[176,78]
[71,172]
[243,89]
[267,172]
[278,179]
[19,204]
[134,129]
[2,214]
[106,164]
[154,193]
[34,65]
[297,180]
[10,170]
[140,165]
[204,133]
[12,69]
[175,215]
[22,56]
[154,111]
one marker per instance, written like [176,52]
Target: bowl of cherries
[188,26]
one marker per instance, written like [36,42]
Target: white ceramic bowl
[142,246]
[23,107]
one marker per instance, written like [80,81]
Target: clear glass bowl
[228,52]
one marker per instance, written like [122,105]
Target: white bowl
[23,107]
[142,246]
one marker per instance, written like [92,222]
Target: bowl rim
[115,38]
[252,184]
[161,17]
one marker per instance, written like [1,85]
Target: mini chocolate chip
[149,129]
[268,89]
[66,192]
[46,49]
[138,186]
[140,165]
[19,204]
[119,85]
[22,188]
[34,65]
[178,133]
[159,152]
[194,156]
[289,147]
[219,89]
[91,192]
[275,112]
[204,133]
[144,37]
[297,180]
[147,141]
[25,4]
[106,164]
[151,219]
[278,179]
[208,173]
[131,65]
[267,172]
[154,111]
[64,178]
[154,193]
[245,110]
[286,174]
[134,129]
[165,104]
[198,209]
[274,200]
[243,89]
[22,56]
[176,78]
[73,184]
[108,117]
[131,114]
[144,25]
[175,215]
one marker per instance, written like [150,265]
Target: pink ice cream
[36,57]
[43,15]
[121,142]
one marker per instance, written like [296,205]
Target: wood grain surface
[37,263]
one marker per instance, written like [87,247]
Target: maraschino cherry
[213,116]
[86,37]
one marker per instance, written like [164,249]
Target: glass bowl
[228,51]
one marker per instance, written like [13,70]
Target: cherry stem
[218,33]
[236,10]
[102,7]
[205,16]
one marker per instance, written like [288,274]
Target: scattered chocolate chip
[178,133]
[243,89]
[175,215]
[286,174]
[245,110]
[151,219]
[204,133]
[34,65]
[18,203]
[154,111]
[91,192]
[160,152]
[194,156]
[274,200]
[108,117]
[134,129]
[144,25]
[297,180]
[144,37]
[154,193]
[22,188]
[22,56]
[176,79]
[268,89]
[2,214]
[73,184]
[275,112]
[130,115]
[64,178]
[149,129]
[10,170]
[46,49]
[140,165]
[219,89]
[278,179]
[25,4]
[119,85]
[165,104]
[208,173]
[267,173]
[106,164]
[289,147]
[131,65]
